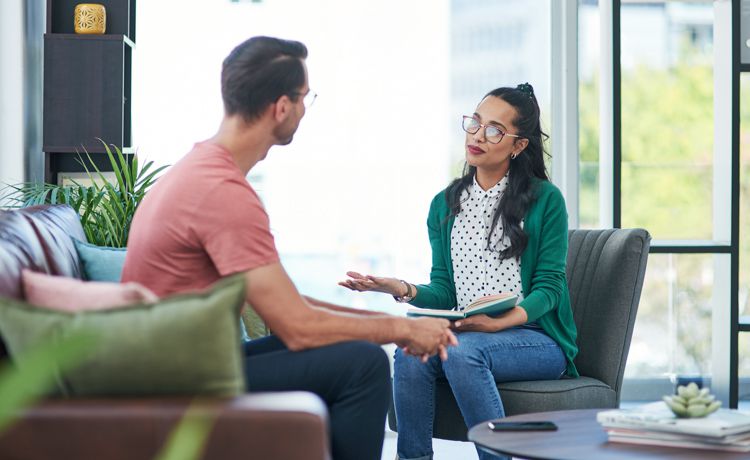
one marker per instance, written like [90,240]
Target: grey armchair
[605,271]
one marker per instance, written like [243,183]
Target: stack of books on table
[654,424]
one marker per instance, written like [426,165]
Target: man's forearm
[338,308]
[301,326]
[330,326]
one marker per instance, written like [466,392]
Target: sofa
[284,425]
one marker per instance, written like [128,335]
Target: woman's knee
[465,356]
[410,370]
[405,363]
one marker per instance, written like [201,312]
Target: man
[203,221]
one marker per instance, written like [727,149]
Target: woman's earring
[513,156]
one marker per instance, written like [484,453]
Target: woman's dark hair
[258,72]
[520,193]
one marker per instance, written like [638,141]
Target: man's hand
[428,336]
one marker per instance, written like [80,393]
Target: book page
[435,312]
[494,305]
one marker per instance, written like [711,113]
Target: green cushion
[182,345]
[100,263]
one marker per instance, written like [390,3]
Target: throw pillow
[182,345]
[100,263]
[71,294]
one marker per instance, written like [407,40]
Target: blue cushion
[100,263]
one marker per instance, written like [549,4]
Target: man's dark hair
[258,72]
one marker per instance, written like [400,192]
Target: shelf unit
[87,87]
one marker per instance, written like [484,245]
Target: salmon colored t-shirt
[201,221]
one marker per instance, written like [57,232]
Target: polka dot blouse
[477,270]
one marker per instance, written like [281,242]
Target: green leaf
[106,208]
[188,439]
[21,386]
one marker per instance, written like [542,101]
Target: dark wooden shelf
[87,87]
[87,37]
[54,150]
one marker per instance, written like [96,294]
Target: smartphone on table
[503,425]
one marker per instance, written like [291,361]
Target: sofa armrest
[288,425]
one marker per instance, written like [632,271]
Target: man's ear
[281,108]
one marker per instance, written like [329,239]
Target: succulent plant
[691,402]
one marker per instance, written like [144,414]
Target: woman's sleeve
[548,280]
[440,293]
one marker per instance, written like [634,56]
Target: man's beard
[283,135]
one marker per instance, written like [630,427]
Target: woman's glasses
[493,134]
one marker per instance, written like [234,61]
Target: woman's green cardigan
[545,288]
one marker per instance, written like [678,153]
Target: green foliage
[188,439]
[667,150]
[106,208]
[21,386]
[667,183]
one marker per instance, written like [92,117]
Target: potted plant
[106,207]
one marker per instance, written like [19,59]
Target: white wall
[11,92]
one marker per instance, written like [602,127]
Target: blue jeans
[472,368]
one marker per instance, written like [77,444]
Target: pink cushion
[72,295]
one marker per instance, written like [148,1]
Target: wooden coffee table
[578,437]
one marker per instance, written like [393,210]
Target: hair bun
[526,88]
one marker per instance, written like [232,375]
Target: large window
[666,110]
[744,268]
[667,178]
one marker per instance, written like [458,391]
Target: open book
[488,305]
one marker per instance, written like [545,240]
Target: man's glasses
[493,134]
[308,99]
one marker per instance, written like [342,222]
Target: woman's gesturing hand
[358,282]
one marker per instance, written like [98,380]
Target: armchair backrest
[605,271]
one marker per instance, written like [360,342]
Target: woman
[501,227]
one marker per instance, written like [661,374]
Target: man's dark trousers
[353,378]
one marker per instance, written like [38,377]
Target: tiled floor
[444,450]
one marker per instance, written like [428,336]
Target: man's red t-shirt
[201,221]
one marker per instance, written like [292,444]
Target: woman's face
[481,151]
